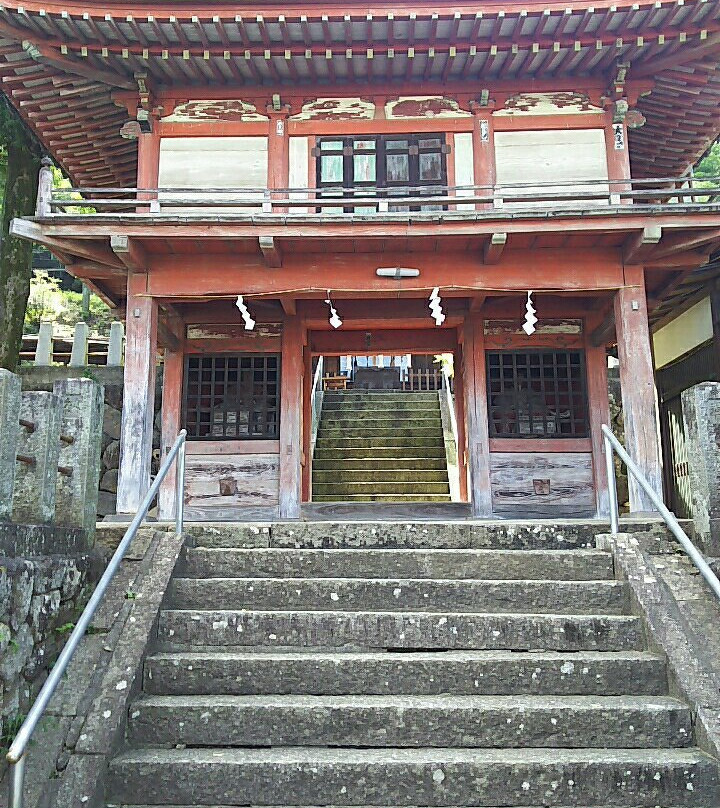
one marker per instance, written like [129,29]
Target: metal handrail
[18,749]
[612,444]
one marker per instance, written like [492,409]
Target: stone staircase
[404,665]
[384,446]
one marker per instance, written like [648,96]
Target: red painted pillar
[476,415]
[484,168]
[148,168]
[459,398]
[618,156]
[278,152]
[598,412]
[173,372]
[138,395]
[291,386]
[637,383]
[307,423]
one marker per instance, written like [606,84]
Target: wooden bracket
[493,249]
[32,231]
[639,243]
[271,251]
[129,252]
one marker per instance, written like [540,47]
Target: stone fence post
[38,452]
[9,427]
[701,416]
[82,402]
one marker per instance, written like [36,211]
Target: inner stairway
[404,665]
[384,446]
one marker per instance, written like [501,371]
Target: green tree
[709,166]
[22,154]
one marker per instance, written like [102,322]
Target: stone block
[111,455]
[109,481]
[36,482]
[10,393]
[106,503]
[82,414]
[701,416]
[111,422]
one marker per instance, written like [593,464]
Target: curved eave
[52,53]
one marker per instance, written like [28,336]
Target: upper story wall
[536,139]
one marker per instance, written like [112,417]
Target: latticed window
[383,166]
[232,396]
[537,394]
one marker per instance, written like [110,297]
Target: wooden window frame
[381,186]
[191,401]
[539,421]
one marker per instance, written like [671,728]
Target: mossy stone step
[395,486]
[371,474]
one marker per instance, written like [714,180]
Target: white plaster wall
[299,168]
[552,156]
[690,329]
[464,168]
[212,162]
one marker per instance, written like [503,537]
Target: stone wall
[701,417]
[618,427]
[42,378]
[40,599]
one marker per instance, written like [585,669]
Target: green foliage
[710,165]
[47,301]
[65,628]
[10,730]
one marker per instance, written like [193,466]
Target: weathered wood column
[637,383]
[476,415]
[483,139]
[138,396]
[307,409]
[598,411]
[459,399]
[278,152]
[173,368]
[291,406]
[618,154]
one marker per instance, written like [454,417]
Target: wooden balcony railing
[196,202]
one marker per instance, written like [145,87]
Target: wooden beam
[637,245]
[695,258]
[476,303]
[599,414]
[173,372]
[686,241]
[271,251]
[52,56]
[289,305]
[102,292]
[493,248]
[637,382]
[32,231]
[426,341]
[130,252]
[476,415]
[138,414]
[291,386]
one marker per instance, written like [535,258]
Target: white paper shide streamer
[247,319]
[435,306]
[334,319]
[530,318]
